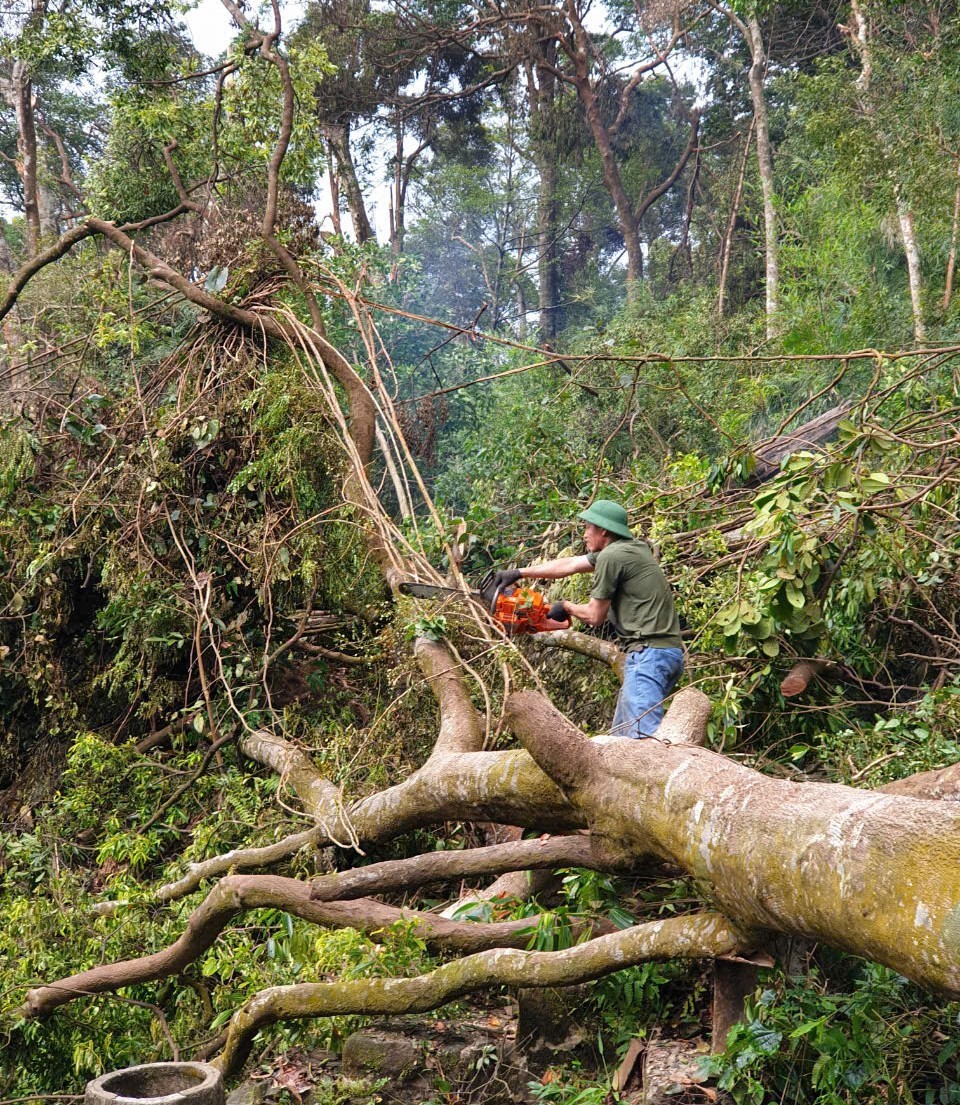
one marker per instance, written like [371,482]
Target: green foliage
[131,182]
[431,627]
[560,1091]
[173,518]
[872,1038]
[252,109]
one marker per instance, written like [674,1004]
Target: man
[631,591]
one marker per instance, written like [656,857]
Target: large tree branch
[942,785]
[707,935]
[665,185]
[680,31]
[319,797]
[479,786]
[242,859]
[872,873]
[22,277]
[460,729]
[403,874]
[456,777]
[238,893]
[607,652]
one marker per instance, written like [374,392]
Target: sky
[212,28]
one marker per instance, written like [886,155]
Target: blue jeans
[649,675]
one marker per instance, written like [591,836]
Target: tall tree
[861,39]
[749,27]
[589,73]
[43,49]
[544,92]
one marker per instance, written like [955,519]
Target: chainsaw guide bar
[430,591]
[518,610]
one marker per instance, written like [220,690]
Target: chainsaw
[519,610]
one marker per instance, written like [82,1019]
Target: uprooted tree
[876,873]
[871,873]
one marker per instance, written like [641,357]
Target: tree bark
[338,137]
[753,36]
[733,982]
[861,39]
[765,165]
[629,226]
[873,874]
[727,246]
[19,94]
[691,937]
[48,206]
[334,190]
[952,258]
[911,251]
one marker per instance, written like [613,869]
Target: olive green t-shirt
[641,606]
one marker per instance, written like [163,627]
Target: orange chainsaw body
[520,610]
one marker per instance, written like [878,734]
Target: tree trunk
[548,261]
[48,207]
[542,90]
[396,197]
[19,94]
[338,136]
[912,252]
[334,190]
[727,248]
[765,164]
[629,227]
[860,37]
[733,983]
[952,259]
[12,338]
[873,874]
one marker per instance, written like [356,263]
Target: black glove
[506,577]
[556,613]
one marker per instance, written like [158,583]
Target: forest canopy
[390,293]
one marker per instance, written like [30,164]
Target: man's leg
[649,676]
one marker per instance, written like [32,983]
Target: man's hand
[556,613]
[506,577]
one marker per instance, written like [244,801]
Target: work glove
[506,577]
[556,613]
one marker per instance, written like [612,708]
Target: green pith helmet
[609,516]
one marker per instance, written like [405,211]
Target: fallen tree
[873,873]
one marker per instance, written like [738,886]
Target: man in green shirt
[631,591]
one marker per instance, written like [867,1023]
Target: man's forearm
[593,613]
[557,569]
